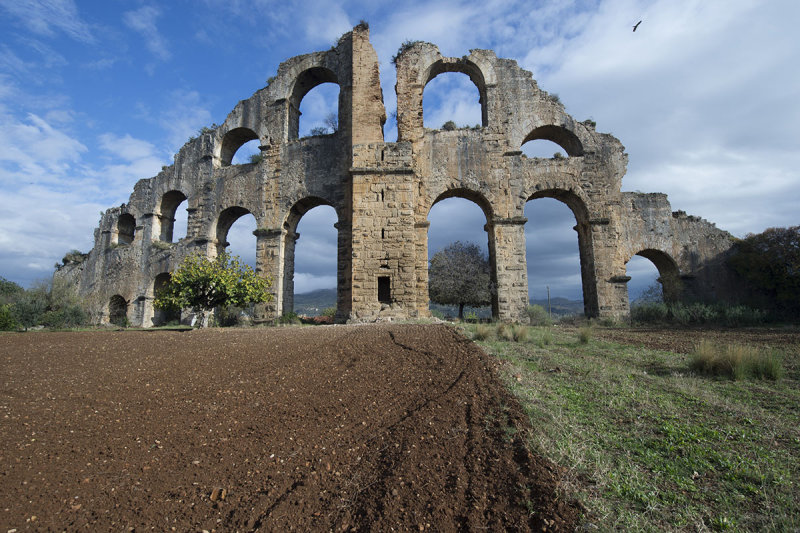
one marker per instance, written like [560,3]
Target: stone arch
[583,227]
[485,205]
[474,196]
[463,66]
[169,204]
[163,316]
[225,220]
[303,83]
[232,141]
[560,135]
[669,274]
[118,310]
[126,228]
[289,237]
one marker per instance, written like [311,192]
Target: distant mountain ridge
[315,302]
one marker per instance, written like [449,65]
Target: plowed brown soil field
[380,428]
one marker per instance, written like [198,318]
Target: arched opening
[164,317]
[238,145]
[567,143]
[173,221]
[462,216]
[544,149]
[126,228]
[315,97]
[452,100]
[559,262]
[235,235]
[118,311]
[310,264]
[654,275]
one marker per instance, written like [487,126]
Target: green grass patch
[649,444]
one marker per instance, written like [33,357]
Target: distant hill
[314,302]
[561,306]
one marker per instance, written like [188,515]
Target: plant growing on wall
[203,284]
[459,275]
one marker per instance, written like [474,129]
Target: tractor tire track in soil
[380,427]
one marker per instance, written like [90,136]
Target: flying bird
[637,25]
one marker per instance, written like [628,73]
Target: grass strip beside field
[650,445]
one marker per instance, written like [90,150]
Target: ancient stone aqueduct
[383,192]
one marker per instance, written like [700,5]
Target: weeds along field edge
[652,441]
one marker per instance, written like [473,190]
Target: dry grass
[585,334]
[519,333]
[736,361]
[482,332]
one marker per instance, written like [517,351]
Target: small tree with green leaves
[459,275]
[203,284]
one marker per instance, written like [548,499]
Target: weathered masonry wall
[383,192]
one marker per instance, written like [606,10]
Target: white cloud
[185,113]
[35,151]
[143,20]
[304,282]
[44,17]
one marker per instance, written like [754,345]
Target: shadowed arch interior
[468,194]
[232,141]
[163,316]
[118,310]
[668,273]
[126,228]
[169,205]
[226,219]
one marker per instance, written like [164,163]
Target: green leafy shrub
[67,317]
[770,262]
[735,361]
[202,284]
[449,126]
[538,315]
[8,321]
[697,314]
[329,312]
[290,318]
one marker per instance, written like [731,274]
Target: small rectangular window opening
[384,289]
[383,233]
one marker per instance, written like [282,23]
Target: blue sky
[95,95]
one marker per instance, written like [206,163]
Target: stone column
[507,240]
[344,270]
[421,241]
[289,242]
[269,263]
[605,281]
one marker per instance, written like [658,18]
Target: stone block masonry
[383,192]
